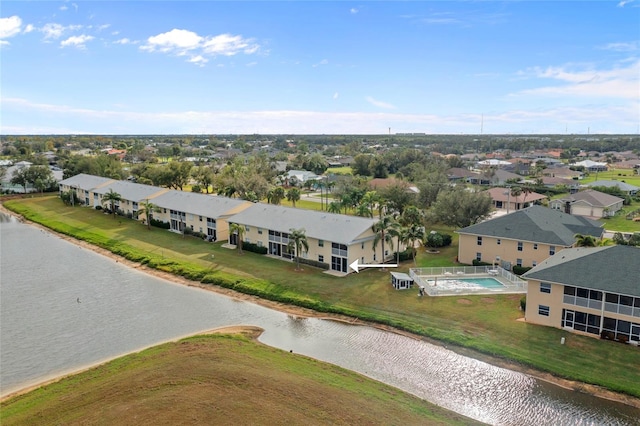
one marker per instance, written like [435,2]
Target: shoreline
[307,313]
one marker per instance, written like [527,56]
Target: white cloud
[620,82]
[335,95]
[353,10]
[173,41]
[623,3]
[198,60]
[187,43]
[29,28]
[10,26]
[622,47]
[123,41]
[64,119]
[77,41]
[55,31]
[322,62]
[379,104]
[63,7]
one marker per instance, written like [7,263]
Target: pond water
[63,308]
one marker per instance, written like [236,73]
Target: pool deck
[437,281]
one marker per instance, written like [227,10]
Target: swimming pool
[465,283]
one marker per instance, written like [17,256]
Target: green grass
[484,323]
[626,175]
[344,170]
[220,379]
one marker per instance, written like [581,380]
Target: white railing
[427,279]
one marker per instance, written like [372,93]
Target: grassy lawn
[220,379]
[488,324]
[614,174]
[344,170]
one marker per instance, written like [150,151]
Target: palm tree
[414,232]
[293,195]
[298,240]
[237,229]
[381,229]
[111,198]
[585,240]
[334,207]
[147,208]
[398,232]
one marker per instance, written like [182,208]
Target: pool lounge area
[466,280]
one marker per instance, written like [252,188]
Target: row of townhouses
[593,291]
[335,240]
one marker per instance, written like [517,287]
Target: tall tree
[460,208]
[585,241]
[415,232]
[147,209]
[298,240]
[381,228]
[237,229]
[111,198]
[293,195]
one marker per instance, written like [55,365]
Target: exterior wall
[583,209]
[507,250]
[319,250]
[536,298]
[595,313]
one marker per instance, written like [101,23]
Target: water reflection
[45,332]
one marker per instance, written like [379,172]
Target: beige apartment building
[523,238]
[334,239]
[589,290]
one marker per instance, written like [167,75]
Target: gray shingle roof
[537,224]
[614,184]
[337,228]
[199,204]
[130,191]
[85,181]
[611,268]
[594,198]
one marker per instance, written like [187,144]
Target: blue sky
[341,67]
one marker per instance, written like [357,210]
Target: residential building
[588,290]
[524,238]
[504,200]
[206,214]
[494,177]
[588,203]
[592,166]
[334,239]
[627,189]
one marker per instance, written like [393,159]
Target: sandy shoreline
[303,312]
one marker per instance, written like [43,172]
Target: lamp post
[508,194]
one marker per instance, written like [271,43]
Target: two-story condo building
[334,239]
[523,238]
[589,290]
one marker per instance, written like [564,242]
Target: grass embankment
[220,379]
[487,324]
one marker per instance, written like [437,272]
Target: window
[320,243]
[479,241]
[543,310]
[362,246]
[498,241]
[479,257]
[535,246]
[552,250]
[200,217]
[246,228]
[260,231]
[320,258]
[545,288]
[519,262]
[534,264]
[259,243]
[520,247]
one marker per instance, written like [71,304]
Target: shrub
[254,248]
[315,263]
[160,224]
[523,303]
[98,207]
[404,255]
[477,262]
[519,270]
[437,240]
